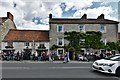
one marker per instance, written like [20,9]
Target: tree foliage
[112,46]
[74,38]
[93,40]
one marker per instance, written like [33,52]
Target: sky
[34,15]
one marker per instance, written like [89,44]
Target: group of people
[12,56]
[93,56]
[43,56]
[82,57]
[39,57]
[19,56]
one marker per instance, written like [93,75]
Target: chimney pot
[50,16]
[84,16]
[101,16]
[10,16]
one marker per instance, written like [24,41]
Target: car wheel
[118,72]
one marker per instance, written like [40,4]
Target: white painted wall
[3,45]
[19,46]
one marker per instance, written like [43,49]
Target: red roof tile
[27,36]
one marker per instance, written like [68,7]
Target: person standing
[50,57]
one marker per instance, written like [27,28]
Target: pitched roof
[3,19]
[9,16]
[27,36]
[82,20]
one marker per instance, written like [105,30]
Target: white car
[108,65]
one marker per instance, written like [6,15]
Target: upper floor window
[60,41]
[104,41]
[41,46]
[82,41]
[102,28]
[82,28]
[27,44]
[10,44]
[59,28]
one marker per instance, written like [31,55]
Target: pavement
[29,61]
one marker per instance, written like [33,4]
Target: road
[51,70]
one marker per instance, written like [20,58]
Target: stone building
[58,26]
[6,23]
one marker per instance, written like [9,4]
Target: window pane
[10,43]
[81,28]
[60,41]
[60,28]
[82,41]
[60,51]
[27,44]
[102,28]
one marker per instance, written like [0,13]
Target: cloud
[95,12]
[78,5]
[25,11]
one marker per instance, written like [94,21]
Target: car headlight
[108,64]
[111,64]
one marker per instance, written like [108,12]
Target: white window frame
[83,30]
[26,43]
[104,41]
[82,40]
[62,42]
[58,28]
[103,31]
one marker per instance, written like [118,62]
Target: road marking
[69,67]
[14,67]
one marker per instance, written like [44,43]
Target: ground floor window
[60,51]
[102,51]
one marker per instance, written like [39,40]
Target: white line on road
[17,68]
[14,67]
[68,67]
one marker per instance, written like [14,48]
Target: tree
[112,46]
[93,40]
[118,46]
[74,38]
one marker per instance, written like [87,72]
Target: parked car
[108,65]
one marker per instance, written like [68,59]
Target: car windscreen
[108,58]
[115,58]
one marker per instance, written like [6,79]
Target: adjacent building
[58,26]
[6,23]
[26,40]
[119,37]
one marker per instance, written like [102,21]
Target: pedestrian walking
[65,58]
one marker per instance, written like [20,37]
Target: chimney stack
[50,16]
[101,16]
[10,16]
[84,16]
